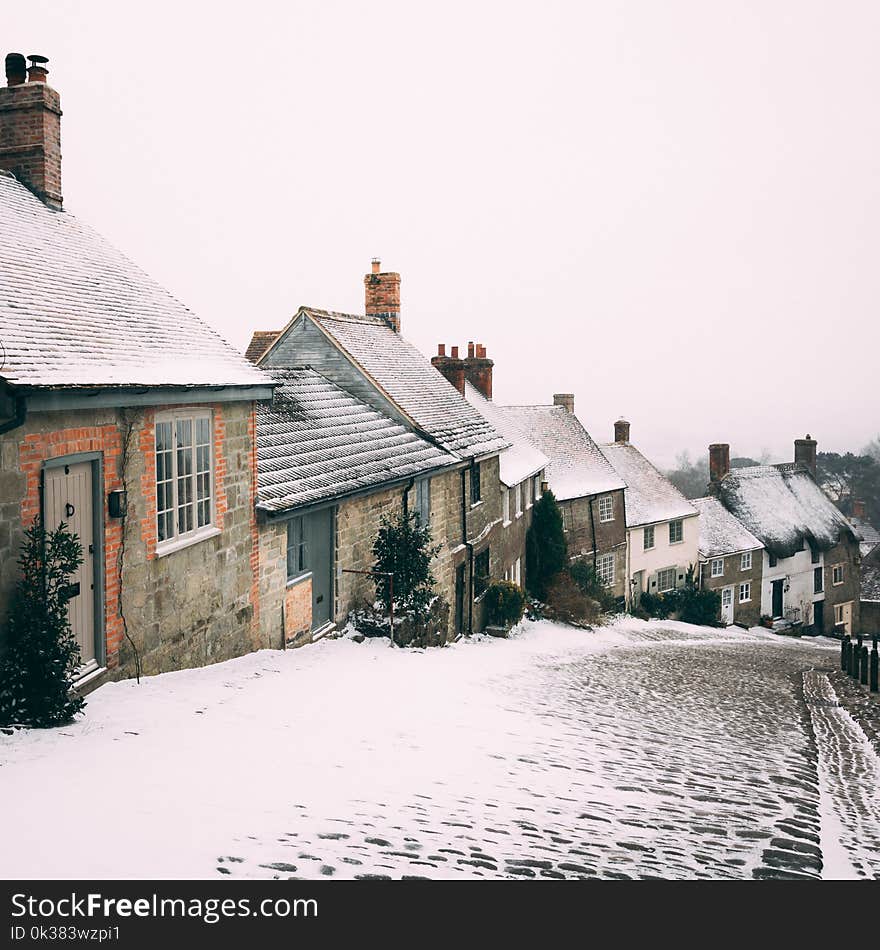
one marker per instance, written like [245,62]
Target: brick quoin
[255,537]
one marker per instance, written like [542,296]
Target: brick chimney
[452,367]
[382,293]
[478,369]
[858,509]
[719,461]
[805,453]
[621,431]
[30,128]
[566,400]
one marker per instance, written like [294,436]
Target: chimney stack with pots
[382,295]
[621,431]
[566,400]
[805,453]
[478,369]
[719,461]
[858,509]
[451,367]
[30,128]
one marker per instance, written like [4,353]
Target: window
[648,536]
[476,494]
[718,567]
[538,486]
[505,504]
[838,613]
[527,491]
[745,592]
[606,508]
[423,501]
[745,561]
[815,555]
[517,572]
[481,572]
[837,574]
[676,531]
[517,497]
[184,480]
[666,579]
[772,559]
[297,548]
[605,569]
[818,580]
[566,518]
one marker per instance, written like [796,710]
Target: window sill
[671,543]
[505,524]
[476,504]
[519,514]
[293,581]
[178,544]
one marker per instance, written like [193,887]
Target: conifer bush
[505,603]
[403,548]
[42,655]
[546,547]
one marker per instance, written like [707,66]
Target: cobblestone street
[665,757]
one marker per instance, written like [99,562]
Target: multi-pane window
[476,493]
[566,518]
[676,531]
[648,535]
[606,508]
[481,572]
[184,483]
[718,567]
[666,579]
[837,574]
[745,592]
[423,501]
[297,548]
[537,487]
[745,561]
[527,491]
[505,504]
[818,580]
[517,496]
[605,569]
[838,613]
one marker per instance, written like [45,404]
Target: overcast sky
[671,209]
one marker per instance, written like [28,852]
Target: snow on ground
[639,749]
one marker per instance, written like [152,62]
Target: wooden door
[727,605]
[319,530]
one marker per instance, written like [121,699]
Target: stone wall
[585,533]
[749,612]
[845,553]
[869,618]
[189,607]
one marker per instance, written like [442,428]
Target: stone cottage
[811,552]
[589,492]
[731,563]
[663,530]
[368,358]
[123,416]
[520,466]
[330,467]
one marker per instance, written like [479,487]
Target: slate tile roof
[576,467]
[720,532]
[74,311]
[871,576]
[870,535]
[521,459]
[260,342]
[317,442]
[407,377]
[784,507]
[650,496]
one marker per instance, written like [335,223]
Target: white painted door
[727,605]
[67,499]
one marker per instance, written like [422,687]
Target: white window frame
[199,532]
[566,518]
[745,561]
[518,499]
[653,544]
[538,480]
[838,613]
[505,505]
[605,574]
[528,488]
[835,570]
[680,523]
[718,563]
[745,587]
[606,508]
[667,570]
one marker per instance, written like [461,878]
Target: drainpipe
[19,417]
[406,492]
[593,531]
[470,548]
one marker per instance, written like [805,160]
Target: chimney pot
[37,71]
[470,349]
[455,352]
[16,69]
[566,400]
[621,430]
[719,461]
[441,349]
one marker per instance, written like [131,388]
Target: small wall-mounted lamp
[116,502]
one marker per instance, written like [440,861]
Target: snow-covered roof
[869,534]
[871,576]
[261,340]
[74,311]
[408,379]
[720,532]
[521,459]
[784,507]
[650,496]
[317,441]
[576,467]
